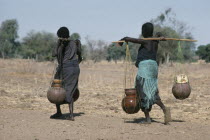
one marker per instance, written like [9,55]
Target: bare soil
[25,110]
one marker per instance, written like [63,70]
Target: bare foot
[167,116]
[56,115]
[146,121]
[71,118]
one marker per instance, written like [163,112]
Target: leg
[166,111]
[147,116]
[161,105]
[57,114]
[58,107]
[71,109]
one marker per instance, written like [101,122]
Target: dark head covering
[63,41]
[63,32]
[147,29]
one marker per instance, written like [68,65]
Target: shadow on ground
[142,121]
[177,121]
[66,115]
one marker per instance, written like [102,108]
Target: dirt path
[25,110]
[36,125]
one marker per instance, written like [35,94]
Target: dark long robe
[68,55]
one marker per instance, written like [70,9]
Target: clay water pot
[130,102]
[181,88]
[56,95]
[76,95]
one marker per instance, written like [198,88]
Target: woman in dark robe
[147,75]
[68,53]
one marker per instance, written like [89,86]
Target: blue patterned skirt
[147,84]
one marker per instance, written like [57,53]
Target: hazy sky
[108,20]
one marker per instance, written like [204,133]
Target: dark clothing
[70,76]
[147,51]
[68,70]
[64,54]
[71,51]
[68,50]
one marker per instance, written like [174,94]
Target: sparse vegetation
[39,45]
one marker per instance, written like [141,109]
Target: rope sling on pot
[181,88]
[130,102]
[129,76]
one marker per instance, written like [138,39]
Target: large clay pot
[130,102]
[56,95]
[76,95]
[181,88]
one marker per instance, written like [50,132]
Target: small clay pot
[130,102]
[181,88]
[76,95]
[181,91]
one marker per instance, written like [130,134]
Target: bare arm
[55,49]
[134,40]
[79,50]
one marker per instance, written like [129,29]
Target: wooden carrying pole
[161,39]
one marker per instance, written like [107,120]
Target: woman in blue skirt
[147,75]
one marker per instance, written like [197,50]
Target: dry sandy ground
[25,109]
[33,125]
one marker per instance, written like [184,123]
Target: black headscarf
[63,41]
[63,32]
[147,29]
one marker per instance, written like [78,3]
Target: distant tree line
[9,46]
[204,52]
[36,45]
[39,45]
